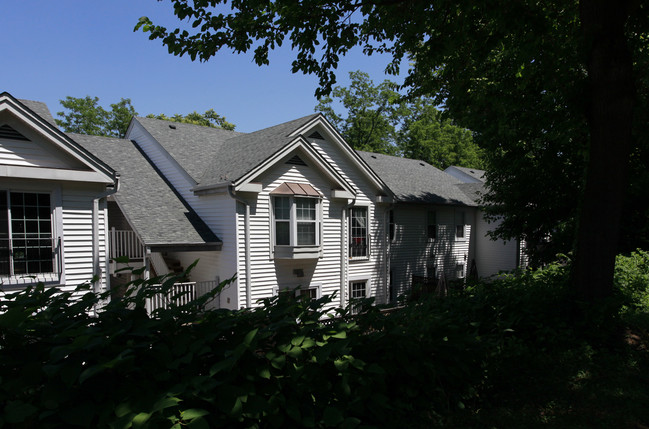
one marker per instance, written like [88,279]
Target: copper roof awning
[299,189]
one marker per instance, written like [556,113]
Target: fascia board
[54,174]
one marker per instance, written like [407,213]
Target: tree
[550,86]
[208,119]
[86,116]
[372,113]
[378,119]
[430,136]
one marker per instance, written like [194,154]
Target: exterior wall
[217,211]
[333,270]
[413,253]
[72,222]
[494,256]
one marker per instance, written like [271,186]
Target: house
[290,207]
[294,206]
[492,256]
[53,202]
[432,222]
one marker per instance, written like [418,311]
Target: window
[459,271]
[296,221]
[358,233]
[459,224]
[357,290]
[312,291]
[26,238]
[432,224]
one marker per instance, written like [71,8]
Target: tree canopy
[86,116]
[376,118]
[553,90]
[208,119]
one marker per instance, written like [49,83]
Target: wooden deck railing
[125,243]
[179,294]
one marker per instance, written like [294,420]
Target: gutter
[246,221]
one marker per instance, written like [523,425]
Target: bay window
[296,221]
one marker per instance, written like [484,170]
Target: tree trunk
[610,114]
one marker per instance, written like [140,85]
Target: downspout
[96,268]
[386,251]
[344,260]
[246,222]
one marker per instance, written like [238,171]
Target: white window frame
[57,275]
[293,250]
[366,282]
[431,215]
[367,237]
[460,225]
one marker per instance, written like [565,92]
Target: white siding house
[294,205]
[52,202]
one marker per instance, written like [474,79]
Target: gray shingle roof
[156,212]
[40,109]
[416,181]
[241,154]
[211,155]
[192,146]
[472,172]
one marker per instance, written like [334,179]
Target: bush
[282,364]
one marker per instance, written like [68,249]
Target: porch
[128,252]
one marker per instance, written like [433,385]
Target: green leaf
[332,416]
[18,411]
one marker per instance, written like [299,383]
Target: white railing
[125,243]
[180,294]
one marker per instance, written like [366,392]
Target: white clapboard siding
[413,253]
[26,153]
[493,256]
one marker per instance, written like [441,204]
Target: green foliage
[378,119]
[86,116]
[501,354]
[208,119]
[632,280]
[283,364]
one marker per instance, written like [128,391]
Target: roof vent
[373,156]
[6,132]
[422,164]
[173,127]
[296,160]
[316,135]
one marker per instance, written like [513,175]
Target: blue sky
[53,49]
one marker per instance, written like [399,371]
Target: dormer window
[296,221]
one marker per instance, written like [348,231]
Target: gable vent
[296,160]
[6,132]
[316,135]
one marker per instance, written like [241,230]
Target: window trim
[368,235]
[293,250]
[350,283]
[431,214]
[57,276]
[459,220]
